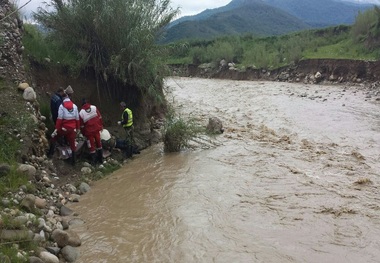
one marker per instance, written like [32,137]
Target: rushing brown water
[294,178]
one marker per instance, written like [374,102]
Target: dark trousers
[129,135]
[69,135]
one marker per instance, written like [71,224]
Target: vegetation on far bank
[361,41]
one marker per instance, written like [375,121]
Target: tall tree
[117,38]
[366,28]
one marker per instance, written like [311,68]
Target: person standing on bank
[127,123]
[67,125]
[91,124]
[55,102]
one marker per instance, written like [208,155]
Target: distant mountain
[253,16]
[205,14]
[376,2]
[321,13]
[264,17]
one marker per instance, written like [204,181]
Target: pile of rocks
[11,48]
[46,225]
[40,214]
[37,212]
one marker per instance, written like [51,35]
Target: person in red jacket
[67,125]
[91,124]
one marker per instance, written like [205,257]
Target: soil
[331,70]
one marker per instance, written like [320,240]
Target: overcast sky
[187,7]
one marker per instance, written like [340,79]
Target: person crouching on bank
[91,124]
[67,125]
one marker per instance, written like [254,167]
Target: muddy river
[294,178]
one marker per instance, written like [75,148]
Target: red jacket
[90,119]
[68,116]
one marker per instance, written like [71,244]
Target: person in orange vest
[91,124]
[67,125]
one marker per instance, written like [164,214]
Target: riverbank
[58,184]
[308,71]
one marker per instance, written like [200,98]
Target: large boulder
[29,94]
[215,126]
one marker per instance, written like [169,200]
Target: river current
[294,178]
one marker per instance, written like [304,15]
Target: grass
[39,47]
[341,50]
[12,181]
[108,169]
[9,145]
[11,249]
[178,61]
[177,132]
[275,51]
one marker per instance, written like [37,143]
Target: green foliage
[276,51]
[116,38]
[10,149]
[8,222]
[263,18]
[253,17]
[107,169]
[9,146]
[10,143]
[177,132]
[10,251]
[12,181]
[45,111]
[40,46]
[366,28]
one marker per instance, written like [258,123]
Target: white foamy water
[294,178]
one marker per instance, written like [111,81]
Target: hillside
[263,17]
[254,17]
[320,13]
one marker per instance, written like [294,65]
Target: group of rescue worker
[69,121]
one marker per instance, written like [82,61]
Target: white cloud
[193,7]
[30,6]
[187,7]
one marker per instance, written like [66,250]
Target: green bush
[40,46]
[177,132]
[12,181]
[116,38]
[276,51]
[366,28]
[9,147]
[363,25]
[10,150]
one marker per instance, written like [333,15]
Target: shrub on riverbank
[178,131]
[114,38]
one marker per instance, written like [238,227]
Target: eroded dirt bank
[331,71]
[294,178]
